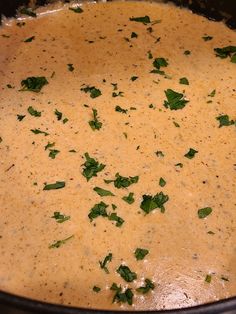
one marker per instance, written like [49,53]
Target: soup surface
[118,151]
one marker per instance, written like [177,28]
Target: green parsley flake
[208,278]
[37,131]
[28,40]
[98,210]
[102,192]
[212,94]
[162,182]
[142,19]
[184,81]
[33,112]
[95,124]
[122,297]
[96,289]
[53,153]
[92,90]
[140,254]
[149,285]
[228,51]
[54,186]
[207,38]
[187,52]
[119,109]
[60,218]
[134,35]
[129,199]
[126,273]
[133,78]
[33,83]
[204,212]
[103,264]
[20,117]
[70,67]
[114,217]
[49,145]
[77,10]
[91,167]
[150,203]
[123,182]
[191,153]
[225,121]
[59,243]
[158,63]
[175,100]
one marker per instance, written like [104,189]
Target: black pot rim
[8,299]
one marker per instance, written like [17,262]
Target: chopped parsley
[102,192]
[119,94]
[158,63]
[119,109]
[58,114]
[150,56]
[228,51]
[95,124]
[103,264]
[77,10]
[33,83]
[133,78]
[162,182]
[150,203]
[174,100]
[91,167]
[129,199]
[54,186]
[114,217]
[208,278]
[123,182]
[37,131]
[184,81]
[187,52]
[70,67]
[142,19]
[28,40]
[204,212]
[126,273]
[60,218]
[33,112]
[96,289]
[134,35]
[224,120]
[176,124]
[140,254]
[92,90]
[122,297]
[53,153]
[98,210]
[49,145]
[179,165]
[149,285]
[59,243]
[159,153]
[212,94]
[207,38]
[20,117]
[191,153]
[29,12]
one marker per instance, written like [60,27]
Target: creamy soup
[118,151]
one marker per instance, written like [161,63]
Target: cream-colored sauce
[181,251]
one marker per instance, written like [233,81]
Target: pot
[12,304]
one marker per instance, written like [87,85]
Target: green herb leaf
[77,10]
[159,153]
[123,182]
[134,35]
[184,81]
[91,167]
[150,203]
[34,112]
[103,264]
[37,131]
[53,153]
[176,124]
[160,62]
[96,289]
[148,286]
[60,218]
[208,278]
[175,100]
[20,117]
[33,83]
[98,210]
[162,182]
[49,145]
[29,12]
[133,78]
[114,217]
[92,90]
[58,114]
[204,212]
[191,153]
[150,56]
[126,273]
[59,243]
[228,51]
[54,186]
[70,67]
[95,124]
[122,297]
[103,192]
[140,254]
[119,109]
[119,94]
[142,19]
[224,120]
[207,38]
[212,94]
[179,165]
[28,40]
[129,199]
